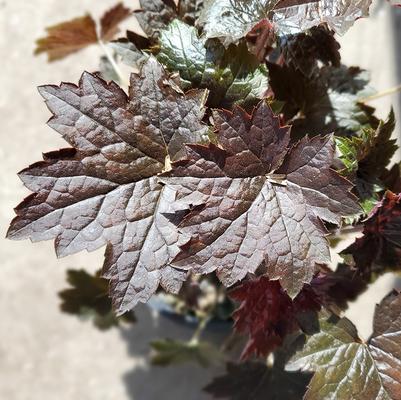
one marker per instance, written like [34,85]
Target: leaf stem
[113,63]
[379,95]
[198,332]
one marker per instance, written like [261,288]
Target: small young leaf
[104,189]
[379,248]
[251,202]
[233,76]
[256,381]
[347,368]
[366,157]
[67,37]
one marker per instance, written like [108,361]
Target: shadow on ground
[149,382]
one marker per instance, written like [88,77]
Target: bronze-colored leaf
[111,19]
[67,37]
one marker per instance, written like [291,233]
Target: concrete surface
[45,354]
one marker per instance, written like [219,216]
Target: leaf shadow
[146,381]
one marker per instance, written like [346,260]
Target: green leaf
[365,158]
[88,297]
[348,369]
[372,150]
[170,352]
[232,75]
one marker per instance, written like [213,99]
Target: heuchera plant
[242,149]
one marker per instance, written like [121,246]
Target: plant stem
[113,63]
[379,95]
[198,332]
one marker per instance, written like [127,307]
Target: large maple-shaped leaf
[380,246]
[231,20]
[299,16]
[251,202]
[256,381]
[267,314]
[347,368]
[328,104]
[232,76]
[104,189]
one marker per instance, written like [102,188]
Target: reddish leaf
[104,190]
[251,201]
[111,19]
[267,314]
[380,246]
[67,37]
[261,39]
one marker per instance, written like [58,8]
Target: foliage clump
[241,150]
